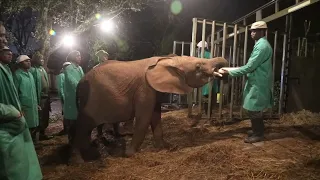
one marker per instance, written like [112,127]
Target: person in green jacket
[257,92]
[72,73]
[41,79]
[60,87]
[25,86]
[99,58]
[18,158]
[205,88]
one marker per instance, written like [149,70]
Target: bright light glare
[107,26]
[68,40]
[52,32]
[98,16]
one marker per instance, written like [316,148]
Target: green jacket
[37,76]
[18,159]
[257,92]
[26,88]
[73,75]
[205,88]
[60,86]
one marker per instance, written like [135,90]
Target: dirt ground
[291,151]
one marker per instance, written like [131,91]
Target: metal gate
[236,45]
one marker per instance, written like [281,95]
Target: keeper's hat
[22,58]
[259,25]
[200,44]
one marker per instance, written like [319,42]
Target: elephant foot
[120,135]
[91,154]
[75,158]
[130,152]
[163,145]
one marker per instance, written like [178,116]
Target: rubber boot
[258,131]
[250,133]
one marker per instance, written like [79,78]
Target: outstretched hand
[217,74]
[223,71]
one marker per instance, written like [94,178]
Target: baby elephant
[118,91]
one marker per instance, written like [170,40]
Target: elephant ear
[165,77]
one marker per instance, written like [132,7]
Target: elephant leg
[100,130]
[82,139]
[116,130]
[156,127]
[143,116]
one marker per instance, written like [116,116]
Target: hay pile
[201,152]
[303,117]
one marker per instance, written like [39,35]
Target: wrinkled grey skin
[118,91]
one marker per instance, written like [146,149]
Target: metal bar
[192,53]
[299,44]
[203,38]
[202,56]
[182,42]
[229,60]
[277,15]
[213,31]
[259,15]
[223,55]
[237,88]
[218,45]
[254,11]
[282,73]
[288,58]
[274,64]
[218,23]
[182,49]
[245,47]
[276,7]
[230,55]
[233,64]
[174,47]
[306,48]
[267,32]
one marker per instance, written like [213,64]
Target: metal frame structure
[214,49]
[215,38]
[296,5]
[183,43]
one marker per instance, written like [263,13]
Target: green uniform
[205,88]
[73,75]
[257,92]
[28,97]
[41,80]
[18,159]
[60,85]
